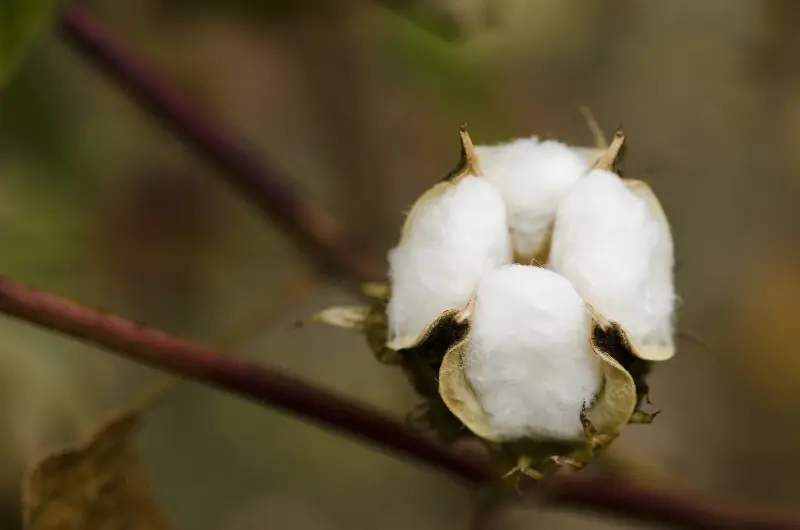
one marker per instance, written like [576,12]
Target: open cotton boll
[454,234]
[528,356]
[532,177]
[614,244]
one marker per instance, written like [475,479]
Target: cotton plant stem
[202,364]
[646,503]
[234,339]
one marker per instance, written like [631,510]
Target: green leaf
[21,21]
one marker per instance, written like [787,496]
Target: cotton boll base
[612,241]
[532,177]
[527,354]
[454,234]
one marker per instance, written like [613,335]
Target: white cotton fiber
[532,177]
[528,356]
[615,246]
[452,237]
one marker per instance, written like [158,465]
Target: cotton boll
[528,356]
[454,234]
[613,242]
[532,177]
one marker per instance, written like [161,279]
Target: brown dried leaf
[100,485]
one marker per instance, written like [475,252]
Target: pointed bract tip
[469,154]
[468,164]
[606,162]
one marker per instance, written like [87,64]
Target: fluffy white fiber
[527,355]
[616,248]
[532,177]
[452,238]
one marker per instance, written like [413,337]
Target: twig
[235,339]
[202,364]
[275,388]
[615,496]
[320,233]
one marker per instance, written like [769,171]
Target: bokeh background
[358,103]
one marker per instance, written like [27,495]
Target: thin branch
[202,364]
[646,503]
[320,233]
[275,388]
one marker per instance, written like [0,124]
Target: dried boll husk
[533,176]
[612,240]
[420,363]
[454,233]
[529,379]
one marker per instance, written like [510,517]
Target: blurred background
[358,103]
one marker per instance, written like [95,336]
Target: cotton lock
[527,354]
[455,233]
[533,176]
[613,242]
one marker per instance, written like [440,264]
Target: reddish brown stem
[200,363]
[320,233]
[614,496]
[275,388]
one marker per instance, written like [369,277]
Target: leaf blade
[101,484]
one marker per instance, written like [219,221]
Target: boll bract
[454,234]
[527,354]
[613,242]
